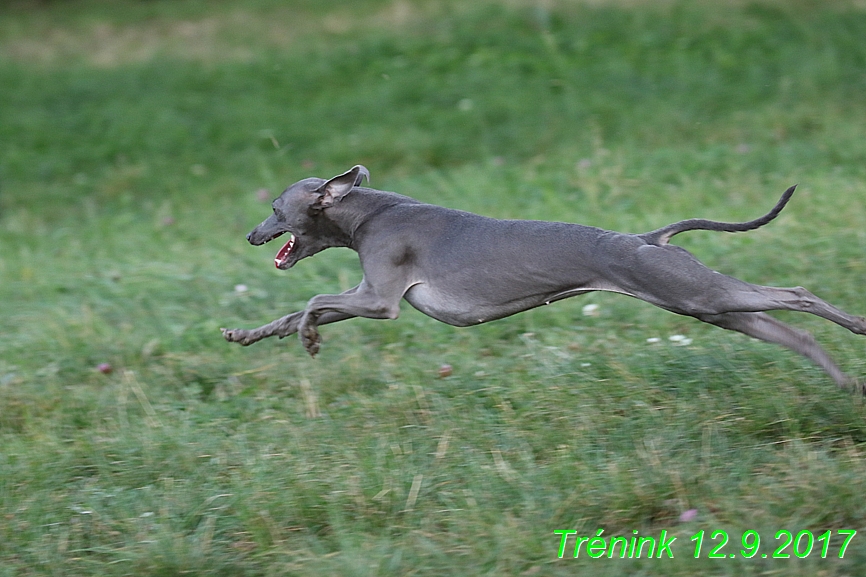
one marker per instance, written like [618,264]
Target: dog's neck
[358,207]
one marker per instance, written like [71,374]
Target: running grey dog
[464,269]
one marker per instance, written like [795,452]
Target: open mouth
[283,255]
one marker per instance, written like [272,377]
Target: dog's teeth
[283,253]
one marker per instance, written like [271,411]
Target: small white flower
[590,310]
[653,340]
[465,105]
[584,365]
[680,340]
[241,288]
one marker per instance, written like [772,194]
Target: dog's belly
[446,308]
[467,309]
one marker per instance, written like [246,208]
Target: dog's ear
[335,189]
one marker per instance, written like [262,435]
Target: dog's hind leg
[763,298]
[672,278]
[763,326]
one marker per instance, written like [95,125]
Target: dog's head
[299,211]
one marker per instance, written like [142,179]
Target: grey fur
[464,269]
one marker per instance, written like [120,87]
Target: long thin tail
[663,235]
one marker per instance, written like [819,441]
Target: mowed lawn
[141,141]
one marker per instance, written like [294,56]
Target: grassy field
[140,142]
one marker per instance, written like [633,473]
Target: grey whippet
[464,269]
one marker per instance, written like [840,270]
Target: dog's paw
[239,336]
[310,339]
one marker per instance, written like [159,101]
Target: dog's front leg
[273,328]
[364,302]
[282,327]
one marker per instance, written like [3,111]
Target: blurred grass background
[141,140]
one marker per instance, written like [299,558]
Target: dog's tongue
[283,254]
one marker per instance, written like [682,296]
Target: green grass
[134,137]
